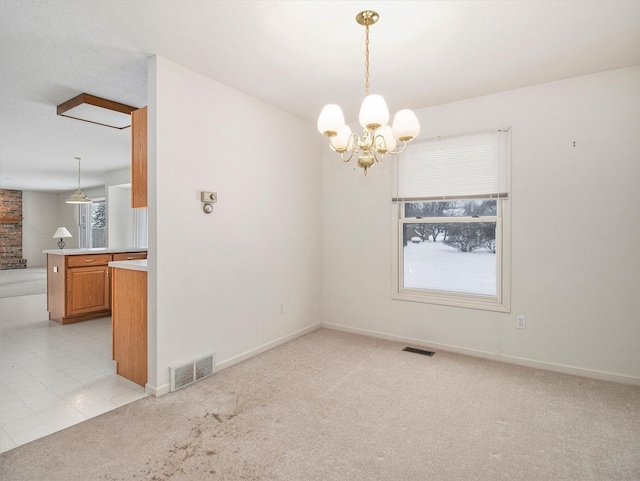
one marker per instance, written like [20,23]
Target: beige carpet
[23,282]
[335,406]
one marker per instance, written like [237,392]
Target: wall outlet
[521,322]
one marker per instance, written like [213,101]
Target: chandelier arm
[342,153]
[404,146]
[354,142]
[374,148]
[351,152]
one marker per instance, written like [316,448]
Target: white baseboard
[548,366]
[265,347]
[157,391]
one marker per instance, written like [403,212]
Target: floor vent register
[419,351]
[190,372]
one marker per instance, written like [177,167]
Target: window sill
[468,301]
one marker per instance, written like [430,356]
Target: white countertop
[135,265]
[95,250]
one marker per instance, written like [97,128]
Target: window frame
[500,302]
[85,233]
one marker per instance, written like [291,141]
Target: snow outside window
[453,249]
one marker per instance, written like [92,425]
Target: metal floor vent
[192,371]
[419,351]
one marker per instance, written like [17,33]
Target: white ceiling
[296,55]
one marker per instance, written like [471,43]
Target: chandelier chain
[78,172]
[366,59]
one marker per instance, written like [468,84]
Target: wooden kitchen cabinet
[130,256]
[88,290]
[79,286]
[129,324]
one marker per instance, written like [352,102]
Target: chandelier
[378,138]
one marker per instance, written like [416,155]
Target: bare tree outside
[464,237]
[98,217]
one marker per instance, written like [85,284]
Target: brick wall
[11,230]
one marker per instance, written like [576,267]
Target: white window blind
[464,166]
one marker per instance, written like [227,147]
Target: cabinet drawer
[88,260]
[129,256]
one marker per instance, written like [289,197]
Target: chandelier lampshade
[343,140]
[374,112]
[385,141]
[331,120]
[405,125]
[378,137]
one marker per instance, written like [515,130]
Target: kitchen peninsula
[78,281]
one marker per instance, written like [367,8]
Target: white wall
[117,177]
[67,218]
[575,233]
[40,221]
[120,216]
[216,281]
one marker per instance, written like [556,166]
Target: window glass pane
[98,224]
[92,225]
[455,208]
[450,257]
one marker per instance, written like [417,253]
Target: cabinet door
[129,324]
[88,290]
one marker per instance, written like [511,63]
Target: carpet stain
[199,448]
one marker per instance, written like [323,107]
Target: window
[92,224]
[451,218]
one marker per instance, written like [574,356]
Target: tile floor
[53,376]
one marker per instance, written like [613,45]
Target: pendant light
[79,197]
